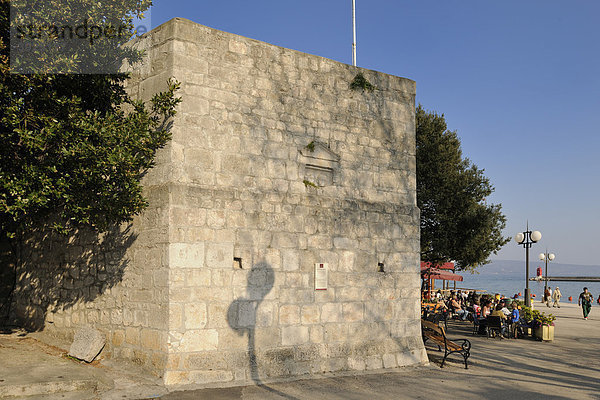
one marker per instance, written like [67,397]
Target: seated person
[498,313]
[440,305]
[505,310]
[486,309]
[476,308]
[462,314]
[515,312]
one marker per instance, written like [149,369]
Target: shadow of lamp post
[526,239]
[546,257]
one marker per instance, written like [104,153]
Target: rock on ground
[87,344]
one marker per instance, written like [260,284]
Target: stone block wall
[276,164]
[116,282]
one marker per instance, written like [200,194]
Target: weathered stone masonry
[275,165]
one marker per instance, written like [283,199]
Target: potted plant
[544,327]
[529,315]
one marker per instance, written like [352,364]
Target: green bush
[539,318]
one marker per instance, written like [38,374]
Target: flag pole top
[354,33]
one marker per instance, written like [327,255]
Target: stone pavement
[31,369]
[568,368]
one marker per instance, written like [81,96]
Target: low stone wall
[116,282]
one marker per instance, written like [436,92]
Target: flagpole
[354,32]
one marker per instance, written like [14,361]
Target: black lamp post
[546,257]
[526,239]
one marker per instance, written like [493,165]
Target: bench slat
[448,343]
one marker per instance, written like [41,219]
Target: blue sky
[518,80]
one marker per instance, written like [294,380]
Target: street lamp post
[546,257]
[526,239]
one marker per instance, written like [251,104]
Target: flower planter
[545,333]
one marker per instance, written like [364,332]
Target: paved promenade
[568,368]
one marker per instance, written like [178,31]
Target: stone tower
[282,238]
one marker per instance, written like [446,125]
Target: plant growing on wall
[361,83]
[308,184]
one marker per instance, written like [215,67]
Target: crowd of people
[468,305]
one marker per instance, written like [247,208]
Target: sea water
[508,278]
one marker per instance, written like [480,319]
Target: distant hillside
[510,267]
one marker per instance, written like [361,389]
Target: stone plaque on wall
[319,163]
[321,276]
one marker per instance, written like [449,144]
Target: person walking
[546,298]
[556,297]
[585,301]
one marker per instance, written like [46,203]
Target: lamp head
[519,237]
[543,256]
[551,256]
[536,236]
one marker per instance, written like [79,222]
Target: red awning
[427,264]
[435,273]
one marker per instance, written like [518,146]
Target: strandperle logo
[84,31]
[72,36]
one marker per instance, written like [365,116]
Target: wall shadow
[555,366]
[7,280]
[56,271]
[241,316]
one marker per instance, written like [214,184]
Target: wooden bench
[437,335]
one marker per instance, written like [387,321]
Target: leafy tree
[74,147]
[457,224]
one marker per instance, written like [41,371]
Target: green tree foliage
[74,147]
[456,221]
